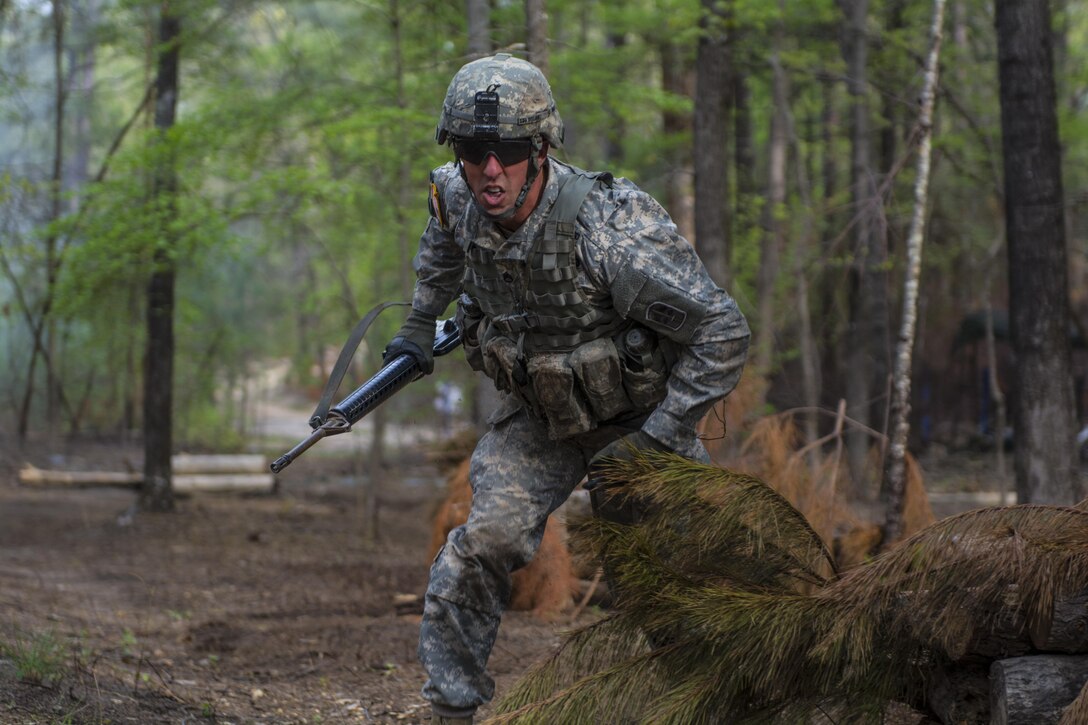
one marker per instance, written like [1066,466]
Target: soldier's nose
[492,165]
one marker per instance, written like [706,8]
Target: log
[959,694]
[31,476]
[1066,628]
[183,483]
[224,483]
[983,630]
[231,463]
[1034,690]
[1077,712]
[992,636]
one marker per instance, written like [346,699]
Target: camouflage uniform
[518,474]
[594,271]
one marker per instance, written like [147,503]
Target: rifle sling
[342,362]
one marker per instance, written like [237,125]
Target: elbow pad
[665,309]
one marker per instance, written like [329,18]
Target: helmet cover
[502,98]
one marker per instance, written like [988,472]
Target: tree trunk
[82,61]
[157,493]
[803,249]
[536,27]
[43,329]
[677,78]
[773,213]
[617,122]
[711,170]
[744,155]
[478,13]
[52,254]
[866,360]
[890,103]
[1043,418]
[894,482]
[828,287]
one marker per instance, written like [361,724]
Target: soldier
[593,316]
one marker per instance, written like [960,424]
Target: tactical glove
[612,503]
[622,449]
[415,338]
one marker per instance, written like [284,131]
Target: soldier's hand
[415,338]
[622,449]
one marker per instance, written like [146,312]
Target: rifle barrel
[283,461]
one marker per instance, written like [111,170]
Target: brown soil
[230,609]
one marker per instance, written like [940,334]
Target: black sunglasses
[507,152]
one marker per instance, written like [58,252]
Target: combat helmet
[502,98]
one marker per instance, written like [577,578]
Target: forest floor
[231,609]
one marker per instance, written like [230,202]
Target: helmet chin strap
[530,177]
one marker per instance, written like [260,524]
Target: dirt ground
[231,609]
[239,609]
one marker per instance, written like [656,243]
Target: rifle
[384,384]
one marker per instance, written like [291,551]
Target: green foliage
[751,623]
[39,658]
[305,134]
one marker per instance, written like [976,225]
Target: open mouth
[493,195]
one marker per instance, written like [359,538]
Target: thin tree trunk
[828,287]
[773,213]
[43,329]
[85,63]
[617,123]
[891,102]
[867,330]
[536,26]
[802,254]
[478,15]
[999,399]
[677,78]
[894,483]
[1039,316]
[711,169]
[156,493]
[744,155]
[52,262]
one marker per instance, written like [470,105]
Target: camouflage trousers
[518,478]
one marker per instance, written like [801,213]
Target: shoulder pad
[663,307]
[449,196]
[437,198]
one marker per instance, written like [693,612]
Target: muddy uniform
[629,270]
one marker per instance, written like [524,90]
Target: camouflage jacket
[624,235]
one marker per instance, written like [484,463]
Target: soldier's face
[496,187]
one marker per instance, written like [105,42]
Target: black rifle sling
[342,362]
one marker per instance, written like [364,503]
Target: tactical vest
[540,339]
[552,313]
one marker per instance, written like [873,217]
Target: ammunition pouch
[575,392]
[502,364]
[646,364]
[560,402]
[596,365]
[471,321]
